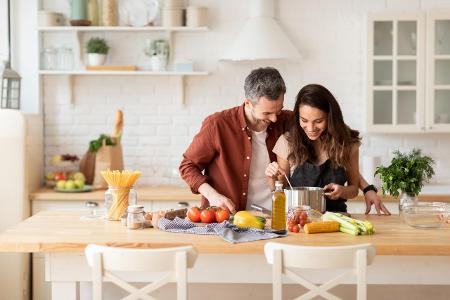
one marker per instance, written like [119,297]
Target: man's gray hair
[264,82]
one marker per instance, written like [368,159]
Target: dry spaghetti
[120,183]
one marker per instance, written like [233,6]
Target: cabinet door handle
[431,127]
[183,204]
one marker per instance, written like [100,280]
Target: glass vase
[405,199]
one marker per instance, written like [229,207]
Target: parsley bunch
[407,172]
[95,145]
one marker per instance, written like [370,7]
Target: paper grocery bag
[107,157]
[87,166]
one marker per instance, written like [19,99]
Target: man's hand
[215,198]
[273,170]
[373,198]
[333,190]
[222,201]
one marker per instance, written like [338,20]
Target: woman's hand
[372,198]
[333,191]
[273,170]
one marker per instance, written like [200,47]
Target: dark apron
[311,175]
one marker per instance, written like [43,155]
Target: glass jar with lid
[64,58]
[117,199]
[135,217]
[49,59]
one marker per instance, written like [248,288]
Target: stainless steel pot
[312,196]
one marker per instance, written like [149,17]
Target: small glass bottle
[109,197]
[135,218]
[278,207]
[132,196]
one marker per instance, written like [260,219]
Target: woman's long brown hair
[337,139]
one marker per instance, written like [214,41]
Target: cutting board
[111,68]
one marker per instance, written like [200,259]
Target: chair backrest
[283,257]
[312,257]
[104,261]
[133,260]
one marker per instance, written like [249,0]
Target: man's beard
[258,123]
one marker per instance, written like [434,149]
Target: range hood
[261,37]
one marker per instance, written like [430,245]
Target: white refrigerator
[15,180]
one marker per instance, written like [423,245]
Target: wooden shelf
[71,73]
[77,33]
[120,28]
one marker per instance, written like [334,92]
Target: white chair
[284,257]
[106,260]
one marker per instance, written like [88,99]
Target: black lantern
[10,84]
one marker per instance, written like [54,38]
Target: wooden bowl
[80,22]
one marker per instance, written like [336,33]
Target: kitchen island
[404,255]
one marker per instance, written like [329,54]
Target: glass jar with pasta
[117,196]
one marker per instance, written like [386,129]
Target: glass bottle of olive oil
[278,207]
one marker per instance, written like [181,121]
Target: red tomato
[290,227]
[304,215]
[208,215]
[194,214]
[221,215]
[295,228]
[292,222]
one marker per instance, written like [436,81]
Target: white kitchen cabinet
[408,72]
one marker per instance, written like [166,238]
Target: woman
[319,149]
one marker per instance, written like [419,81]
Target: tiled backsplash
[329,34]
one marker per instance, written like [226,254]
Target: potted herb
[158,51]
[406,175]
[97,48]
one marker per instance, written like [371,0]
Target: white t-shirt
[258,189]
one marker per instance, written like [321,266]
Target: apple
[61,184]
[79,176]
[79,184]
[60,176]
[56,158]
[50,176]
[70,185]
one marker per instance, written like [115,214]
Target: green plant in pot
[97,49]
[158,51]
[406,175]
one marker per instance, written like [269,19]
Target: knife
[261,209]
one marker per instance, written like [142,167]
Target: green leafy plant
[406,173]
[95,145]
[97,45]
[156,47]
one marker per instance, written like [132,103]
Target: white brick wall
[330,34]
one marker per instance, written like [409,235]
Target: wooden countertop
[52,231]
[145,193]
[173,193]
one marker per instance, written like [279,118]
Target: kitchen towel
[229,232]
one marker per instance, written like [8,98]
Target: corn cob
[321,226]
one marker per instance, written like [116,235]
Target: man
[234,146]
